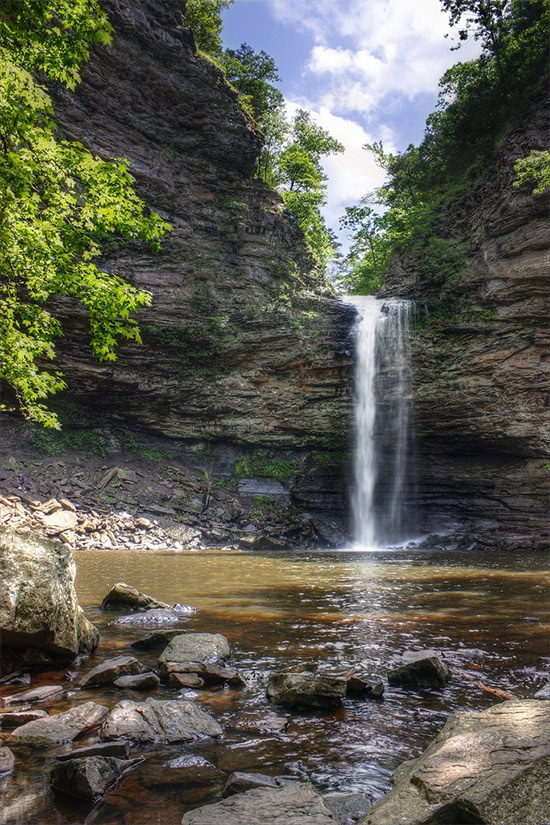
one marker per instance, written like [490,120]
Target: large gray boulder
[154,720]
[291,804]
[489,768]
[38,603]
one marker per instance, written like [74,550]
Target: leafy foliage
[535,168]
[58,204]
[204,17]
[478,100]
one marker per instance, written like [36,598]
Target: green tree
[301,179]
[205,19]
[58,204]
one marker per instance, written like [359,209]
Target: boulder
[7,761]
[63,727]
[347,807]
[423,672]
[159,721]
[305,690]
[489,768]
[107,672]
[89,777]
[124,596]
[141,681]
[38,603]
[193,647]
[291,804]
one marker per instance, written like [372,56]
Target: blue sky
[367,70]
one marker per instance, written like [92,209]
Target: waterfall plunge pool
[337,610]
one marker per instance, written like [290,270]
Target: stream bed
[483,612]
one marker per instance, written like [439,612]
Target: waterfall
[383,431]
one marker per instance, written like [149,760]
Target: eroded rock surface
[490,768]
[159,721]
[297,690]
[64,726]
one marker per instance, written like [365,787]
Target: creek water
[340,610]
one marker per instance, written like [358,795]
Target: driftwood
[504,695]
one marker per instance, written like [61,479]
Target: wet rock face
[243,343]
[482,389]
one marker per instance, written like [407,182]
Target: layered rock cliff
[480,352]
[244,343]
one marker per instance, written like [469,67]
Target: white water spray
[382,410]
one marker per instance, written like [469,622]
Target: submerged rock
[359,688]
[152,616]
[240,782]
[304,690]
[489,768]
[159,721]
[21,717]
[159,638]
[291,804]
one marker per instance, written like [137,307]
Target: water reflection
[340,611]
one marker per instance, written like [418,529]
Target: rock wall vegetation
[480,351]
[245,358]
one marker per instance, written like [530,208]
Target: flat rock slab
[153,720]
[303,690]
[39,694]
[209,674]
[240,782]
[194,647]
[20,717]
[107,672]
[63,727]
[292,804]
[491,768]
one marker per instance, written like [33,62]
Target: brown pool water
[485,613]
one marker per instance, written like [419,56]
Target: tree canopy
[478,101]
[59,204]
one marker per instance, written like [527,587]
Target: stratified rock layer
[480,353]
[244,342]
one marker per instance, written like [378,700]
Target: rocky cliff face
[244,344]
[482,394]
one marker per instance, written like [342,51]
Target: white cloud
[365,50]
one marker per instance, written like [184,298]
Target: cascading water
[382,409]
